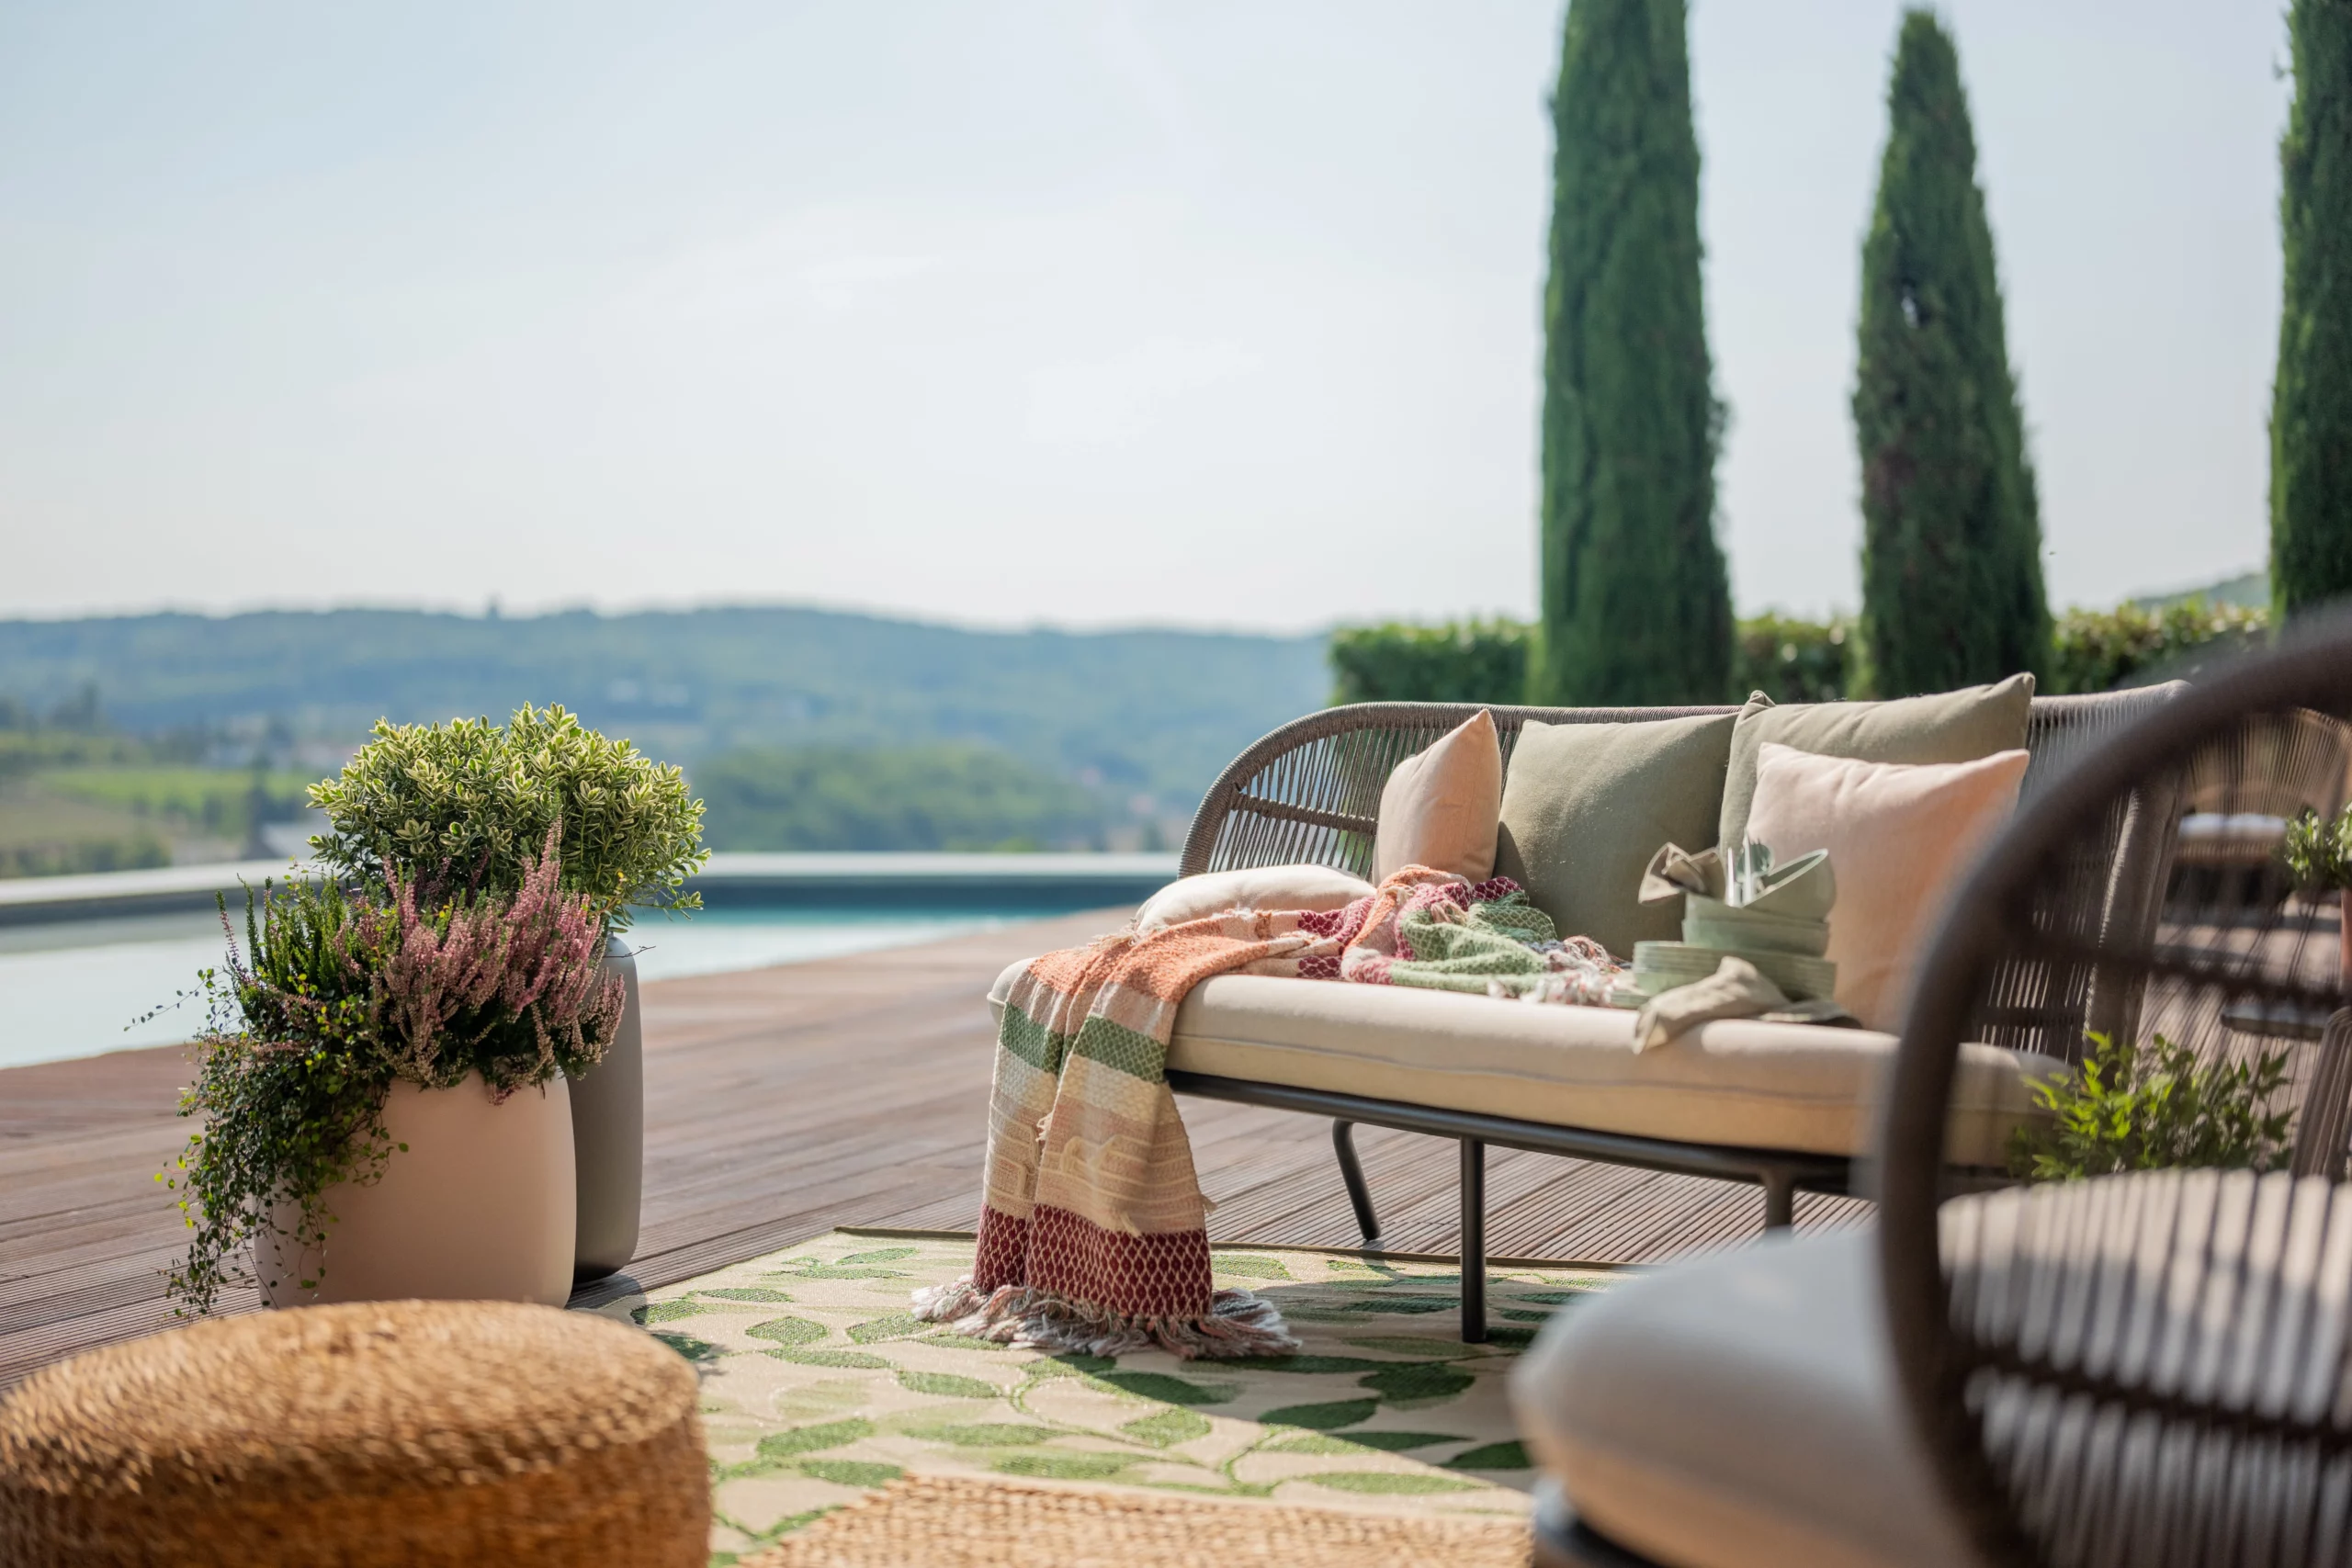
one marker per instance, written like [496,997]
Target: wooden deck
[781,1103]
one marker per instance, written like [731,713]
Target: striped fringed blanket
[1094,1235]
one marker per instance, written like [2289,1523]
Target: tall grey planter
[609,1138]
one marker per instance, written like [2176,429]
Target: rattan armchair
[2152,1366]
[1310,792]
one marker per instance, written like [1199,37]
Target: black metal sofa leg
[1343,1143]
[1473,1242]
[1780,1200]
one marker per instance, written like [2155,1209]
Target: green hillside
[1107,728]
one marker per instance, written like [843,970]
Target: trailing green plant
[464,805]
[1455,662]
[289,1083]
[2097,650]
[2155,1108]
[1636,595]
[1951,533]
[335,997]
[2318,851]
[1792,660]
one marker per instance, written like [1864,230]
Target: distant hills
[2248,590]
[1120,714]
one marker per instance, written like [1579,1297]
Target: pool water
[80,988]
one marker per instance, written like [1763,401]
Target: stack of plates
[1782,929]
[1711,922]
[1663,966]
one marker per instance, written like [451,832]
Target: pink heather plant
[508,987]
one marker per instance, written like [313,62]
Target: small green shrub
[2318,851]
[467,805]
[2097,650]
[1792,660]
[2153,1109]
[1458,661]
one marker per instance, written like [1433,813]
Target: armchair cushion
[1739,1411]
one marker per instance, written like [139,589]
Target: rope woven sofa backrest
[1309,791]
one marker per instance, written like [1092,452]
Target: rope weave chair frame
[2152,1367]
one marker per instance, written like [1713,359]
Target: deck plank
[783,1103]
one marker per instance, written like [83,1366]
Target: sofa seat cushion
[1796,1087]
[1739,1411]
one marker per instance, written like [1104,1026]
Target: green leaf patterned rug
[818,1385]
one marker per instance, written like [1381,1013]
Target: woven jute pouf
[394,1433]
[946,1521]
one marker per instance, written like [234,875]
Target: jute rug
[820,1388]
[942,1521]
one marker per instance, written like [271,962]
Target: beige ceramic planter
[482,1206]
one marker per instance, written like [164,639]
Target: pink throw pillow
[1441,806]
[1898,835]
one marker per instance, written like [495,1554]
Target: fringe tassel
[1238,1324]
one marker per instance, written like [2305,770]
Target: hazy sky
[1085,313]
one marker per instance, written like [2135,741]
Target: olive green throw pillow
[1950,727]
[1586,806]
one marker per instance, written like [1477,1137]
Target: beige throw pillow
[1440,806]
[1587,805]
[1254,887]
[1898,836]
[1950,727]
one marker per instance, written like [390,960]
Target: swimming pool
[76,988]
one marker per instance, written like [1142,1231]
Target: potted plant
[383,1084]
[466,805]
[2318,852]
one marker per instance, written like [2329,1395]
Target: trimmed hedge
[1792,660]
[1788,658]
[1459,661]
[2097,650]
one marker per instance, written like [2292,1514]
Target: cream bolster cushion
[1949,727]
[1440,806]
[1898,835]
[1251,887]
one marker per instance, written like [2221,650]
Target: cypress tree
[1951,535]
[2311,408]
[1636,607]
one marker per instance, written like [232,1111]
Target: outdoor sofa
[1787,1106]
